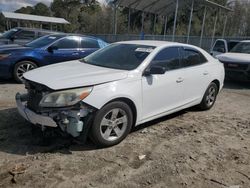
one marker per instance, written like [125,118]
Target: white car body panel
[153,96]
[234,57]
[73,74]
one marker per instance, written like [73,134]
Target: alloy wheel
[23,68]
[114,124]
[211,96]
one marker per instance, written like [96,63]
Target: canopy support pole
[190,21]
[142,22]
[165,26]
[225,25]
[129,19]
[175,19]
[203,25]
[154,24]
[214,30]
[115,20]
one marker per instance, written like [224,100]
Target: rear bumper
[31,116]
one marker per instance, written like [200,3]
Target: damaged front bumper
[70,121]
[30,115]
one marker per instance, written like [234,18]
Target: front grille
[35,94]
[235,66]
[34,99]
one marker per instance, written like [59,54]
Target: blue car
[16,60]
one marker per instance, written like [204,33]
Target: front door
[162,93]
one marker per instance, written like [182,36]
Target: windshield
[242,47]
[43,41]
[9,33]
[119,56]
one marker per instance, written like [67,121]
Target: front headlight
[65,98]
[3,56]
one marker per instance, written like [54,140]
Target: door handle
[75,53]
[205,73]
[179,80]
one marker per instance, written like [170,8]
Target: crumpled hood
[235,58]
[73,74]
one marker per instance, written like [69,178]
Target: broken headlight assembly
[65,98]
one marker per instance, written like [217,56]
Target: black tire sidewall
[204,105]
[17,65]
[95,129]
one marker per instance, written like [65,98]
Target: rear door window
[89,43]
[192,57]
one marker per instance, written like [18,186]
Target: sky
[12,5]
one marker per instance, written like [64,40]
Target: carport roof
[163,7]
[46,19]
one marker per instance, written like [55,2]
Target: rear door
[66,49]
[88,46]
[196,75]
[162,93]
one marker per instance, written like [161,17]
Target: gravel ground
[188,149]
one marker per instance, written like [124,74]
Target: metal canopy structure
[167,7]
[31,18]
[28,17]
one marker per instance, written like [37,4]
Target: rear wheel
[21,68]
[112,124]
[209,97]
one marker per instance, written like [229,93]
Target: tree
[41,9]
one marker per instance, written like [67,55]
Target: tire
[22,67]
[112,124]
[209,97]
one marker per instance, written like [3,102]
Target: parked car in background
[16,60]
[22,35]
[237,62]
[223,46]
[120,86]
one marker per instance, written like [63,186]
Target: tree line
[90,17]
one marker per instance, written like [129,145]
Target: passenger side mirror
[155,70]
[52,48]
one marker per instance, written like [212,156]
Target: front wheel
[21,68]
[209,97]
[112,124]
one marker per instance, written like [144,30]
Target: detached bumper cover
[32,116]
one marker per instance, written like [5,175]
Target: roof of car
[36,29]
[72,34]
[245,41]
[155,43]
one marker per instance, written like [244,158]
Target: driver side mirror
[51,49]
[155,70]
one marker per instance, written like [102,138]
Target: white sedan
[119,87]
